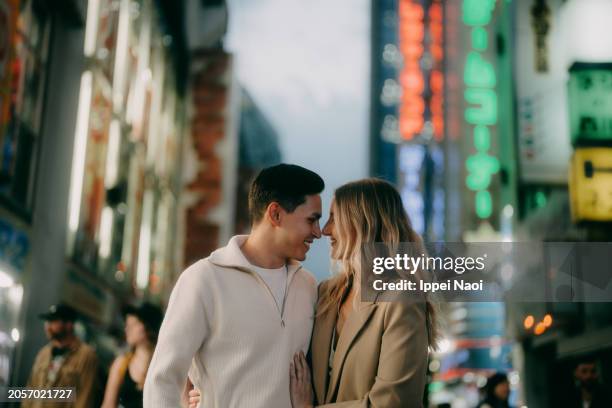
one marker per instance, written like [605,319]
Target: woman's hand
[194,398]
[300,385]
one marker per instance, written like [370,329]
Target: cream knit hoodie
[223,326]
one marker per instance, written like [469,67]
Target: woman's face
[135,331]
[502,390]
[329,230]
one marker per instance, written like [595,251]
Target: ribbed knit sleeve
[184,329]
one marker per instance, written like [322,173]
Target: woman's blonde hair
[368,211]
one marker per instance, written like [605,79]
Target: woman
[497,392]
[128,371]
[365,353]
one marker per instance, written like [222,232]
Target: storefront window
[24,43]
[126,195]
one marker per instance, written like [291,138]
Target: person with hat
[128,371]
[64,362]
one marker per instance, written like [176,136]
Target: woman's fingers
[298,368]
[194,398]
[292,376]
[305,367]
[299,382]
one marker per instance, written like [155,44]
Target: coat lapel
[355,322]
[321,346]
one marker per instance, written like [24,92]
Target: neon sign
[436,79]
[422,87]
[411,34]
[481,110]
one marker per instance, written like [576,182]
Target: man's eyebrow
[316,215]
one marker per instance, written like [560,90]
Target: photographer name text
[430,287]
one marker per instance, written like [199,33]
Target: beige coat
[79,370]
[380,358]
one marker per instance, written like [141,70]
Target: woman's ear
[274,213]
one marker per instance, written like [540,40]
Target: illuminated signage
[589,184]
[436,78]
[590,103]
[411,162]
[411,34]
[481,110]
[422,76]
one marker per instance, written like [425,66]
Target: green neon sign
[484,204]
[478,71]
[480,95]
[485,112]
[480,38]
[482,138]
[481,167]
[477,12]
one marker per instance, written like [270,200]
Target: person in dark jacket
[497,392]
[588,391]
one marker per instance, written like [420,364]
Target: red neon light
[436,103]
[411,39]
[411,35]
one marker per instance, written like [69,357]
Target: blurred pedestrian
[128,372]
[497,392]
[64,362]
[588,391]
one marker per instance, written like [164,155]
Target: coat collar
[326,383]
[321,346]
[231,256]
[355,322]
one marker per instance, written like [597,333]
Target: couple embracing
[241,322]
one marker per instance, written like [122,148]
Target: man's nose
[317,230]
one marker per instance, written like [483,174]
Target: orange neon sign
[436,80]
[421,99]
[411,35]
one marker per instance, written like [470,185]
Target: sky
[307,66]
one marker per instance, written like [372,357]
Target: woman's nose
[326,229]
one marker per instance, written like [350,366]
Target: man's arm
[183,331]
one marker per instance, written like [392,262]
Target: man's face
[586,374]
[300,228]
[57,329]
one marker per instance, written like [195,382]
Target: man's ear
[274,213]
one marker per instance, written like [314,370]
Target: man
[588,392]
[64,362]
[238,316]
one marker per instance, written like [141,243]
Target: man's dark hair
[286,184]
[586,359]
